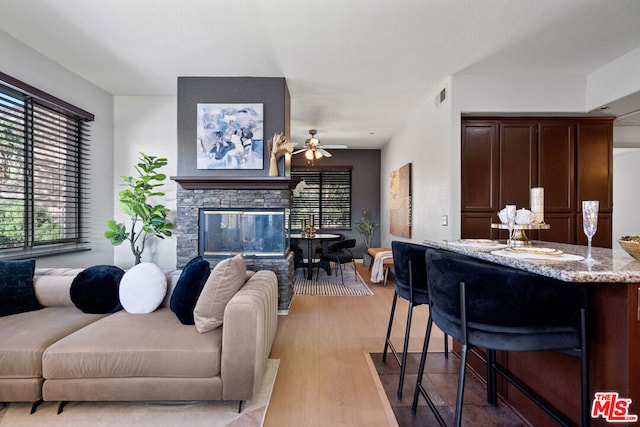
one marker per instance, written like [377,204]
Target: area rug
[152,414]
[330,285]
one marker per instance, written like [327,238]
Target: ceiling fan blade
[335,147]
[324,152]
[299,151]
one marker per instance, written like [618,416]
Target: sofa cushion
[142,288]
[25,336]
[95,289]
[226,278]
[53,286]
[185,295]
[125,345]
[17,294]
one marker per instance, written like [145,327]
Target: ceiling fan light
[318,154]
[308,154]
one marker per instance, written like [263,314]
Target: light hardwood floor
[324,378]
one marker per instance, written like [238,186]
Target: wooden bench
[386,264]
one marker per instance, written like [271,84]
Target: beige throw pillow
[225,280]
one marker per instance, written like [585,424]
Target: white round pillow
[143,288]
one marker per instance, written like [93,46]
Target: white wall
[626,203]
[626,176]
[614,80]
[146,124]
[424,142]
[626,136]
[27,65]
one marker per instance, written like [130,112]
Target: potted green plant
[366,227]
[146,220]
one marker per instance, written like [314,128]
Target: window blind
[327,196]
[43,178]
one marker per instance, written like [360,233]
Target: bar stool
[502,308]
[411,284]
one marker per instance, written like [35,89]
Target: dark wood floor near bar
[440,382]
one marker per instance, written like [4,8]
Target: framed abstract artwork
[400,201]
[230,136]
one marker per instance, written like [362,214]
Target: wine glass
[511,222]
[590,224]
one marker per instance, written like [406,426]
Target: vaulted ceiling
[356,69]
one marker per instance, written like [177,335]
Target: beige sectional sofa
[60,354]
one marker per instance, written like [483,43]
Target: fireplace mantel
[234,182]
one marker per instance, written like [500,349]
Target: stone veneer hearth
[194,193]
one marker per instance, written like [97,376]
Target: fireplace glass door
[257,233]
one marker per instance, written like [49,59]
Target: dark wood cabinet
[475,225]
[481,173]
[518,162]
[556,170]
[504,157]
[563,228]
[595,163]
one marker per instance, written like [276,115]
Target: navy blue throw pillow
[187,291]
[17,294]
[95,290]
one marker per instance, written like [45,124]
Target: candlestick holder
[311,231]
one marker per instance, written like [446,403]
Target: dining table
[324,238]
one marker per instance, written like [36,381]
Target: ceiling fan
[315,150]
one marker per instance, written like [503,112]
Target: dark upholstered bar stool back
[410,270]
[411,284]
[502,308]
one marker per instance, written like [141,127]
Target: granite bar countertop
[613,265]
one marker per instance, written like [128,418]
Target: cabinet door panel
[595,163]
[479,171]
[478,226]
[563,228]
[556,167]
[518,162]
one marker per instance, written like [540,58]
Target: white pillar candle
[537,204]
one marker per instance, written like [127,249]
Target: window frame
[49,141]
[322,218]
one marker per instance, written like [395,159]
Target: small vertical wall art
[400,201]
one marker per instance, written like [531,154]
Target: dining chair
[411,284]
[502,308]
[339,253]
[298,255]
[317,253]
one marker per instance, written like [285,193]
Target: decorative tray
[535,250]
[478,241]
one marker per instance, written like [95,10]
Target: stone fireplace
[270,194]
[234,189]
